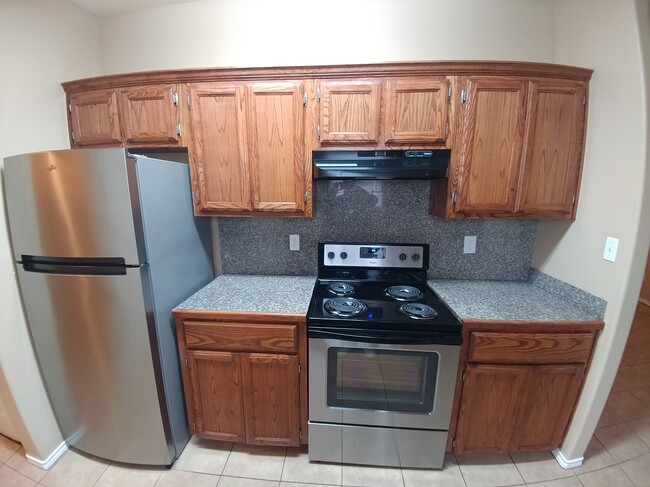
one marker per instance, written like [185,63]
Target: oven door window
[381,380]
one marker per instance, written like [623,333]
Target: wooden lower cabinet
[242,376]
[519,384]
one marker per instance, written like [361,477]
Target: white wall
[298,32]
[42,42]
[603,34]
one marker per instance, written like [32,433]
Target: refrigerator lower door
[95,341]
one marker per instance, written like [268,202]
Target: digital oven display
[372,252]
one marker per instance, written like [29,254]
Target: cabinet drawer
[530,348]
[242,337]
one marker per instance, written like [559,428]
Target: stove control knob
[415,257]
[331,255]
[402,256]
[344,255]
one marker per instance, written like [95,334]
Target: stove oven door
[378,384]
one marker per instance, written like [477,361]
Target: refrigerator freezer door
[74,203]
[92,337]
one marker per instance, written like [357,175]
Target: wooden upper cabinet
[491,145]
[149,115]
[276,146]
[94,119]
[416,110]
[218,152]
[553,148]
[350,112]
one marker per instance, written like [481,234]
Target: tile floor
[619,454]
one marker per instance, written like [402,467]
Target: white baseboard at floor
[644,301]
[51,460]
[564,463]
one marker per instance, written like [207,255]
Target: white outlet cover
[611,247]
[469,245]
[294,242]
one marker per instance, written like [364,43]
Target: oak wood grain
[94,119]
[241,337]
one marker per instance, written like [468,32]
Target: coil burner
[404,293]
[418,311]
[345,307]
[340,289]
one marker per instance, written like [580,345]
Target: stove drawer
[241,337]
[530,348]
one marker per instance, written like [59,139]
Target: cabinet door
[94,119]
[218,153]
[493,127]
[149,115]
[276,146]
[492,395]
[271,399]
[216,402]
[416,110]
[349,112]
[550,396]
[553,155]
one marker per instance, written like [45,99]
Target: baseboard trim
[644,301]
[50,460]
[564,463]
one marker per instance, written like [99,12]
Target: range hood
[381,164]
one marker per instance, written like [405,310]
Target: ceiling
[102,8]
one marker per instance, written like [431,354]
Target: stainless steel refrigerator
[106,244]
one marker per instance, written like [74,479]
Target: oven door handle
[390,338]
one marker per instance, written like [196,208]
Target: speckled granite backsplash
[381,212]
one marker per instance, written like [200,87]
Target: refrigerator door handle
[91,266]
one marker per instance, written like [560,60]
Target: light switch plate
[469,246]
[611,247]
[294,242]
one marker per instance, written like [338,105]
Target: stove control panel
[374,255]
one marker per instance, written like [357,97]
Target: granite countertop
[257,294]
[517,300]
[541,299]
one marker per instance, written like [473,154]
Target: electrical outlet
[469,246]
[611,247]
[294,242]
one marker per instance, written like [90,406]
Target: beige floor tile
[7,448]
[606,477]
[609,417]
[643,394]
[642,428]
[596,457]
[297,484]
[449,476]
[617,387]
[119,476]
[567,482]
[621,442]
[297,468]
[178,478]
[242,482]
[204,456]
[11,478]
[488,470]
[74,470]
[539,467]
[631,378]
[633,356]
[19,463]
[372,476]
[638,470]
[255,462]
[627,405]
